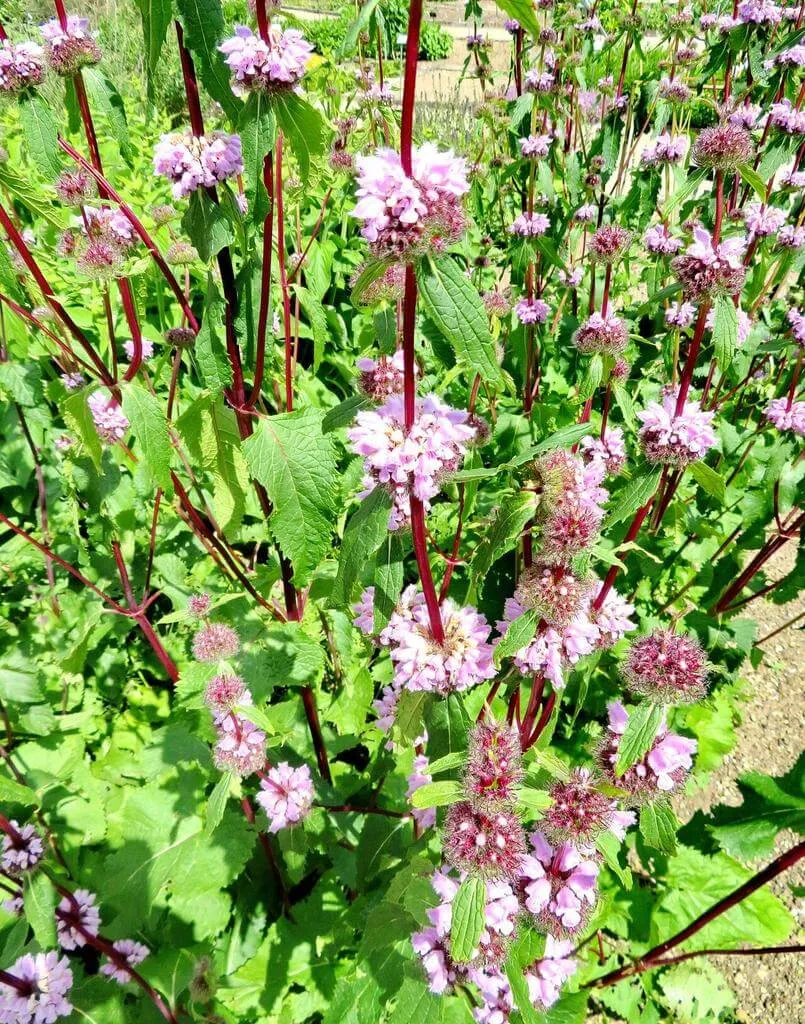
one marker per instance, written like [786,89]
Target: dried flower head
[580,812]
[75,188]
[71,46]
[609,243]
[180,337]
[491,845]
[666,667]
[608,334]
[553,591]
[494,766]
[181,254]
[224,693]
[215,641]
[723,147]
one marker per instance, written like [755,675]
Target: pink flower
[78,909]
[382,377]
[559,885]
[286,795]
[787,118]
[705,270]
[131,952]
[47,979]
[580,812]
[535,146]
[530,225]
[109,419]
[191,162]
[791,237]
[72,381]
[426,817]
[609,450]
[658,239]
[415,460]
[762,220]
[23,851]
[797,321]
[532,311]
[214,642]
[675,439]
[608,334]
[663,769]
[21,66]
[786,415]
[70,48]
[259,66]
[586,214]
[147,349]
[224,693]
[546,977]
[609,243]
[680,314]
[666,149]
[723,147]
[198,605]
[759,12]
[402,213]
[241,745]
[431,949]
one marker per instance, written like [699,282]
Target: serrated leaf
[79,418]
[519,634]
[209,351]
[258,133]
[216,805]
[609,846]
[709,480]
[410,715]
[12,792]
[40,898]
[388,579]
[644,721]
[658,826]
[725,331]
[295,462]
[592,376]
[366,530]
[562,438]
[40,133]
[633,496]
[107,100]
[358,25]
[150,428]
[519,987]
[437,794]
[304,128]
[501,535]
[467,921]
[454,305]
[754,180]
[456,759]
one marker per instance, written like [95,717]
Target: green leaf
[156,17]
[26,193]
[150,427]
[437,794]
[372,270]
[633,496]
[592,377]
[519,634]
[216,805]
[644,721]
[79,419]
[454,305]
[468,916]
[344,413]
[209,350]
[725,331]
[105,98]
[609,846]
[365,532]
[562,438]
[295,462]
[361,22]
[709,480]
[207,225]
[388,580]
[456,759]
[317,319]
[40,133]
[658,826]
[519,987]
[536,800]
[12,792]
[754,180]
[410,715]
[501,535]
[203,22]
[258,133]
[40,900]
[304,128]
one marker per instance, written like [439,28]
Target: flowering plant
[381,518]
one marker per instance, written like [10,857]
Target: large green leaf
[725,331]
[148,423]
[105,98]
[658,826]
[468,916]
[304,129]
[365,532]
[454,305]
[156,17]
[40,133]
[501,535]
[644,721]
[203,22]
[258,133]
[295,462]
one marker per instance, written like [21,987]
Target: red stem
[409,84]
[693,355]
[265,278]
[286,296]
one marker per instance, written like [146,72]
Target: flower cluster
[662,770]
[658,239]
[705,270]
[191,161]
[382,377]
[723,147]
[22,849]
[532,311]
[559,885]
[71,46]
[666,667]
[410,461]
[571,500]
[675,438]
[44,981]
[786,415]
[608,334]
[286,795]
[530,225]
[21,66]
[109,419]
[667,149]
[258,65]
[403,216]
